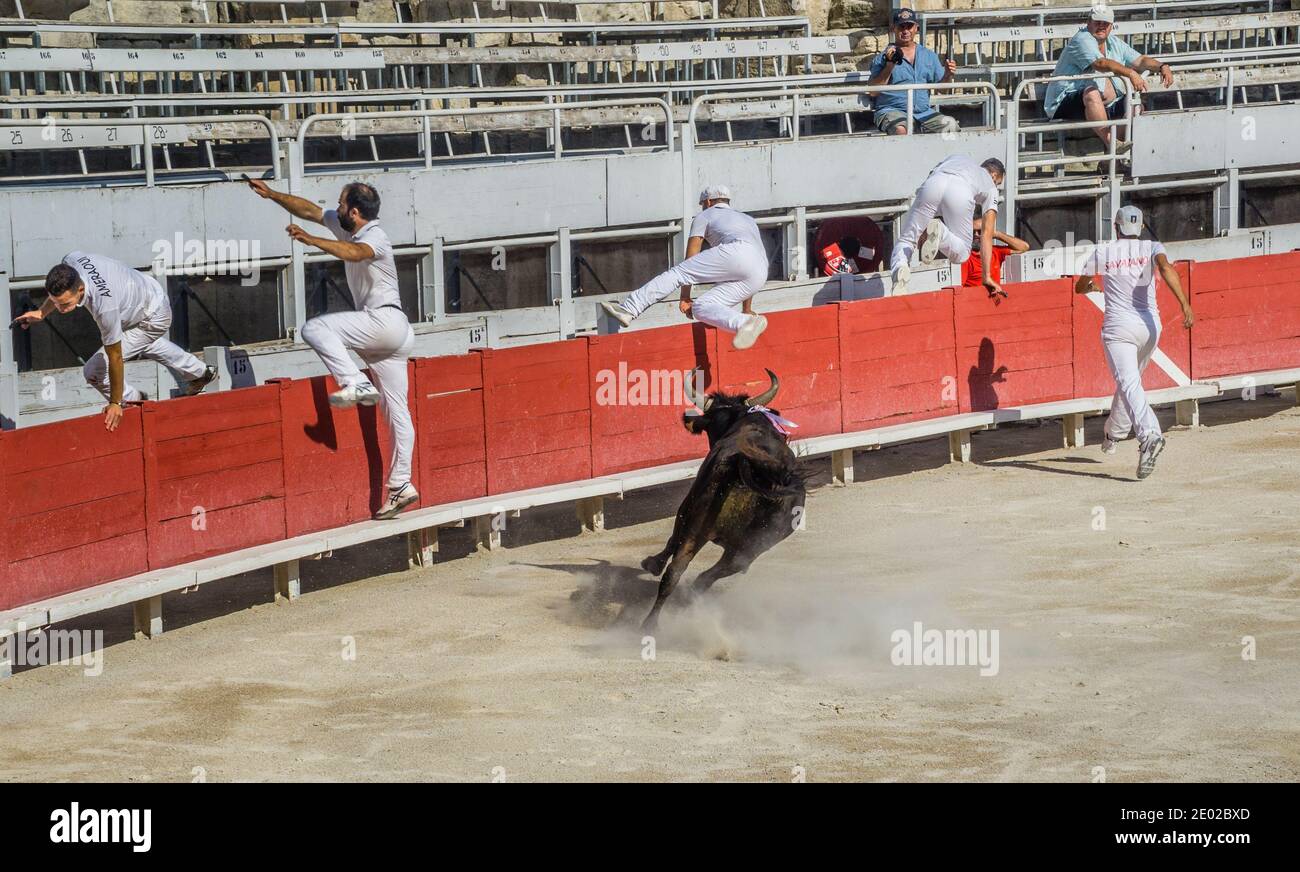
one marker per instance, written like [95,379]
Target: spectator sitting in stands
[972,271]
[904,62]
[1096,48]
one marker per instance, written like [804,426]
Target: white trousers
[144,341]
[737,269]
[952,199]
[1129,344]
[383,339]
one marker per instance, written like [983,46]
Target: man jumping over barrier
[941,218]
[1130,328]
[134,316]
[378,331]
[735,261]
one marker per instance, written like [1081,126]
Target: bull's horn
[700,402]
[768,395]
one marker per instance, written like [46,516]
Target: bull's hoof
[654,565]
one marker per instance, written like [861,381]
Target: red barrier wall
[538,415]
[222,454]
[899,358]
[451,445]
[79,507]
[1014,351]
[802,347]
[1091,375]
[637,395]
[72,505]
[1247,315]
[335,460]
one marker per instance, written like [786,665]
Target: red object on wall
[637,382]
[1091,375]
[802,347]
[1247,315]
[538,415]
[72,505]
[214,473]
[335,460]
[900,359]
[451,445]
[1017,350]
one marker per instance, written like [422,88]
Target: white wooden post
[148,617]
[842,466]
[288,581]
[1072,435]
[421,545]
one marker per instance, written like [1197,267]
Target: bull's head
[716,413]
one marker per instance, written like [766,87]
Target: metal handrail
[426,114]
[170,121]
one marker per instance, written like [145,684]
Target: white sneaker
[901,277]
[363,394]
[397,500]
[749,332]
[933,234]
[618,313]
[1147,459]
[1107,445]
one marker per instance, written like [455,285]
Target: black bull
[748,495]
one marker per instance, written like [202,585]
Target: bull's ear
[768,395]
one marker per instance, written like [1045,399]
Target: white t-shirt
[720,224]
[969,171]
[1128,266]
[117,296]
[372,283]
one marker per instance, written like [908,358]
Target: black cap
[904,15]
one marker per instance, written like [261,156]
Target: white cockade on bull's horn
[768,395]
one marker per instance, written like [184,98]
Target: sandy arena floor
[1119,648]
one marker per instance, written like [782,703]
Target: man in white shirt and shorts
[941,221]
[378,331]
[134,316]
[1130,328]
[736,262]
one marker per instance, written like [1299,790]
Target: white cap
[1129,221]
[715,192]
[1102,12]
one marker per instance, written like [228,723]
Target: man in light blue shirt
[1097,48]
[904,62]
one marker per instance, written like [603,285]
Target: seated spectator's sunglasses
[907,25]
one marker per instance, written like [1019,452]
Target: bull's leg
[681,559]
[732,563]
[655,563]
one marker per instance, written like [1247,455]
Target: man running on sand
[1130,328]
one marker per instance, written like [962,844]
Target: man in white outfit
[377,331]
[1130,328]
[735,262]
[134,316]
[941,221]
